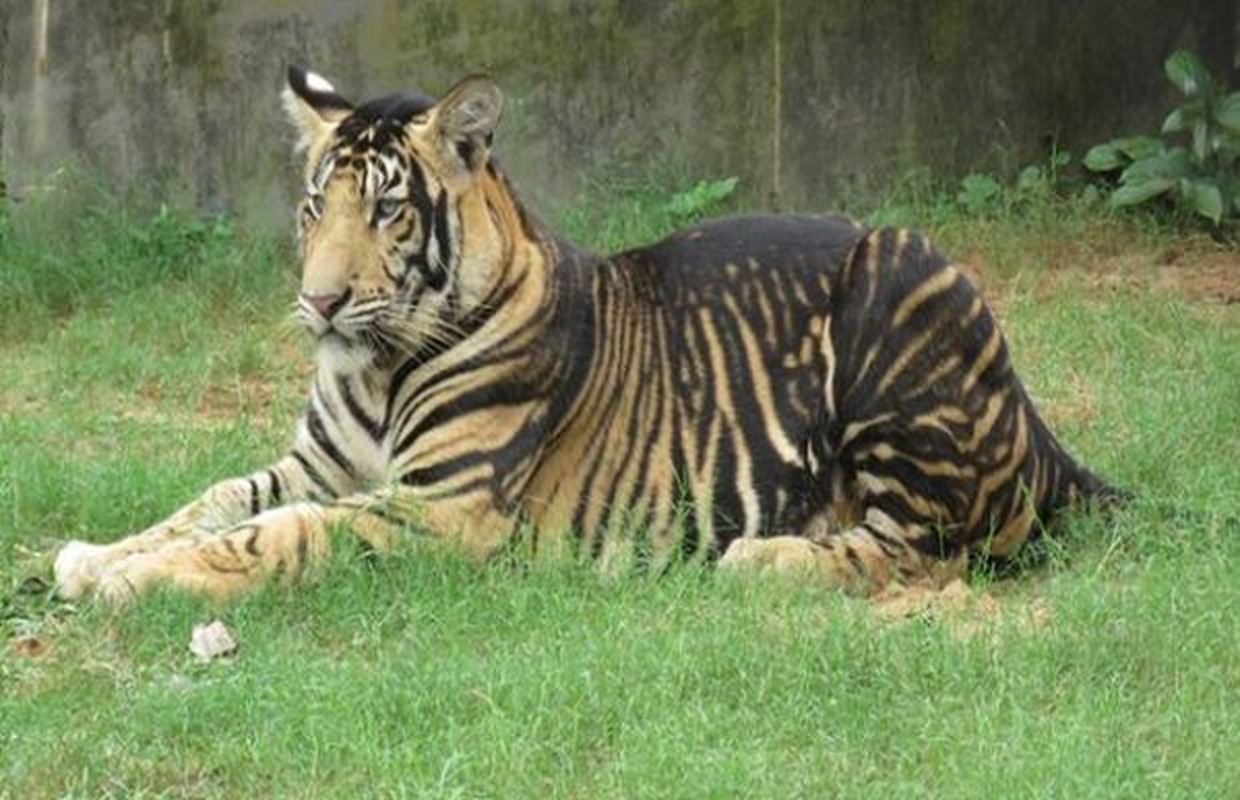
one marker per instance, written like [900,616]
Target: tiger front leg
[79,565]
[283,541]
[289,541]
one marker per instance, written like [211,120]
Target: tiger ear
[467,117]
[313,105]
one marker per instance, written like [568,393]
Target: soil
[1199,272]
[965,611]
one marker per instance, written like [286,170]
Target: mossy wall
[803,99]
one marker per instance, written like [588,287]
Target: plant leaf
[1139,147]
[1172,165]
[977,191]
[1030,178]
[1201,142]
[1105,158]
[1227,112]
[702,198]
[1185,70]
[1207,200]
[1174,121]
[1130,194]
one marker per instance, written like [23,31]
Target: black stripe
[314,424]
[276,493]
[314,475]
[437,273]
[373,427]
[303,545]
[255,505]
[854,560]
[251,542]
[469,401]
[318,399]
[465,149]
[419,198]
[443,470]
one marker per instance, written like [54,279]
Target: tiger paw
[780,555]
[124,580]
[77,568]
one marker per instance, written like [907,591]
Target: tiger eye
[387,207]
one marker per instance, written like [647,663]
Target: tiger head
[391,188]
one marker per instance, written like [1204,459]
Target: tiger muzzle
[327,304]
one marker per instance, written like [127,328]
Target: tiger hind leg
[862,559]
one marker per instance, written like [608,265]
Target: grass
[145,357]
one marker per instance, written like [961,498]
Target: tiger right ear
[313,105]
[468,116]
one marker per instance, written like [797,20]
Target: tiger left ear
[313,105]
[468,116]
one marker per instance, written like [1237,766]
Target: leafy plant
[985,195]
[700,200]
[1199,174]
[978,192]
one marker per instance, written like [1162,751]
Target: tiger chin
[793,394]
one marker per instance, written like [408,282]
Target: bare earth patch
[250,397]
[1205,278]
[965,611]
[1201,272]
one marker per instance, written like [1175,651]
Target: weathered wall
[802,98]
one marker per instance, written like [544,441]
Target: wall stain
[807,101]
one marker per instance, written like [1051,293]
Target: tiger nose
[327,304]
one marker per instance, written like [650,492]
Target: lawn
[146,355]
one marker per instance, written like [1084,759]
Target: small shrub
[978,192]
[1199,174]
[983,195]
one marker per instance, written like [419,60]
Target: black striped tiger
[775,392]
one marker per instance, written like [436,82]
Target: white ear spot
[317,83]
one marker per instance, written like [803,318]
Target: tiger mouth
[384,331]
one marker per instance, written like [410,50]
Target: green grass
[134,380]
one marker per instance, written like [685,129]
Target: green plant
[1200,177]
[985,195]
[643,204]
[701,200]
[978,192]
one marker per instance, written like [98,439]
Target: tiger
[769,394]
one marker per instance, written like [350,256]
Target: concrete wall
[803,99]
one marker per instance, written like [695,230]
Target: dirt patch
[1199,271]
[219,404]
[246,398]
[1204,278]
[965,611]
[28,646]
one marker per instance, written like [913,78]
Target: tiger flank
[778,393]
